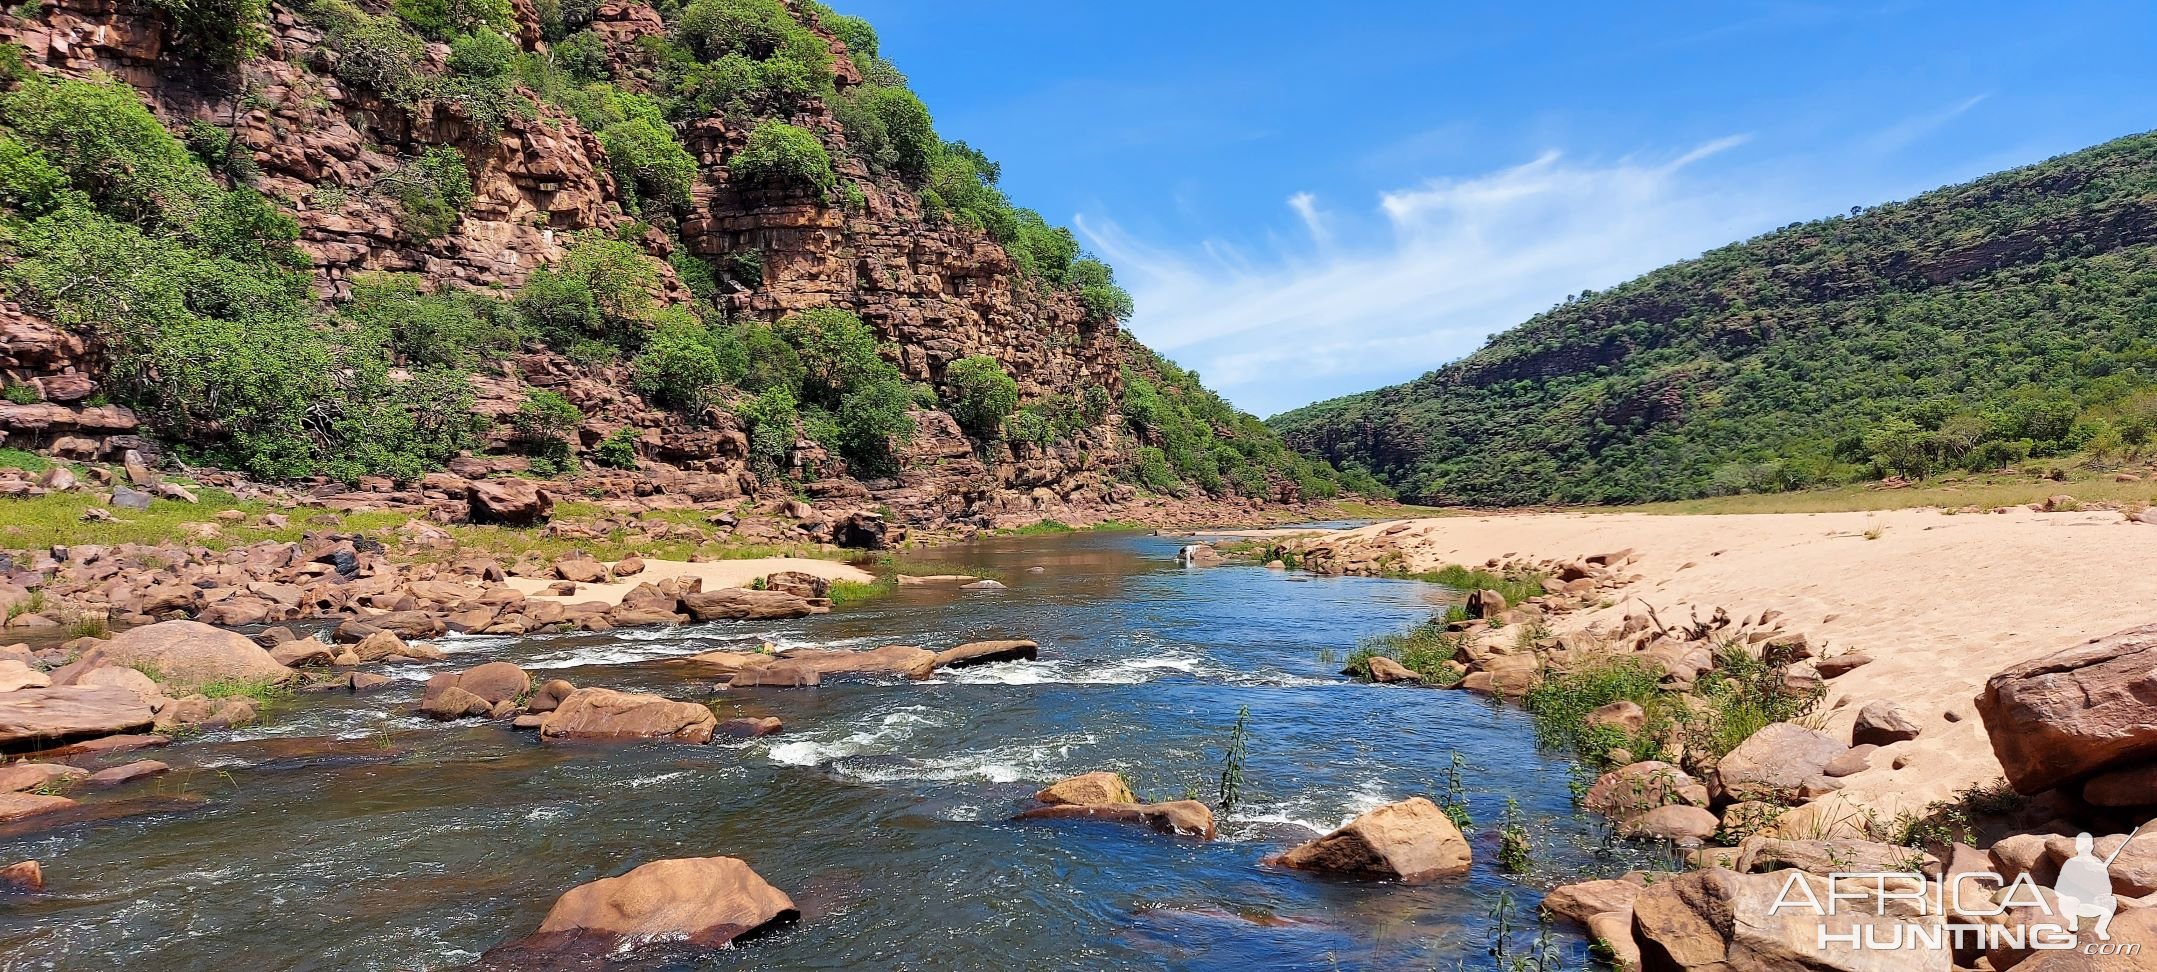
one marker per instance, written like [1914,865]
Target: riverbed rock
[2074,713]
[1411,841]
[18,806]
[492,682]
[1677,823]
[1088,789]
[1776,763]
[1721,920]
[187,654]
[515,502]
[1386,671]
[1182,818]
[751,727]
[903,661]
[705,902]
[1583,900]
[127,773]
[987,652]
[549,696]
[582,570]
[18,777]
[799,583]
[1640,787]
[302,653]
[777,674]
[451,702]
[1623,715]
[1824,857]
[743,605]
[1882,723]
[16,674]
[22,876]
[605,714]
[64,713]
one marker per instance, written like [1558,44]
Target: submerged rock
[1183,818]
[22,876]
[1411,841]
[986,652]
[702,902]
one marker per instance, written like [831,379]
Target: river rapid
[346,833]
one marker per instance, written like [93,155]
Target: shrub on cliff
[760,30]
[379,54]
[445,19]
[450,328]
[781,154]
[982,394]
[648,163]
[839,354]
[684,363]
[220,31]
[431,190]
[772,362]
[1105,302]
[889,128]
[544,423]
[770,420]
[871,420]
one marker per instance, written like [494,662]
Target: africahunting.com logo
[2080,901]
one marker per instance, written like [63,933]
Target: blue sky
[1314,199]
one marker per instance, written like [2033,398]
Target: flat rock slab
[40,717]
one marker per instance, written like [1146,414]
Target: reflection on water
[350,835]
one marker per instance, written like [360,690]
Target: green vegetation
[1233,757]
[618,450]
[1424,649]
[1516,849]
[1970,328]
[1729,702]
[982,393]
[781,154]
[223,32]
[1190,434]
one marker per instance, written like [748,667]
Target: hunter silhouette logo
[2082,891]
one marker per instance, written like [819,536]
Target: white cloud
[1423,277]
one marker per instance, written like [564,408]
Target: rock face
[704,902]
[190,653]
[605,714]
[1411,841]
[1719,919]
[2075,713]
[513,501]
[47,716]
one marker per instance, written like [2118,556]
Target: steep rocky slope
[316,112]
[1975,326]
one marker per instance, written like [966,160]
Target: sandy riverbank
[1940,601]
[716,574]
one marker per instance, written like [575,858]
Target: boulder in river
[604,714]
[733,604]
[751,727]
[2074,713]
[63,713]
[1183,818]
[986,652]
[22,876]
[1088,789]
[1411,841]
[190,654]
[702,902]
[1386,670]
[17,777]
[492,682]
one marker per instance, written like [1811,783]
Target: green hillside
[2008,320]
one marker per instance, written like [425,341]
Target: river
[345,833]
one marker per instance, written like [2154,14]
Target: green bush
[771,421]
[760,30]
[781,154]
[1153,471]
[431,190]
[558,308]
[29,183]
[648,163]
[544,424]
[601,292]
[684,363]
[1105,302]
[839,354]
[444,20]
[982,393]
[378,54]
[772,362]
[483,53]
[452,329]
[618,450]
[223,32]
[871,420]
[889,128]
[583,56]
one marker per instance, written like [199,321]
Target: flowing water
[347,834]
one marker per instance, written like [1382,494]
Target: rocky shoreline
[2074,732]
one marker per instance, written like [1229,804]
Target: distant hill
[1981,325]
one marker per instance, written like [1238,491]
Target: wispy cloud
[1422,275]
[1913,129]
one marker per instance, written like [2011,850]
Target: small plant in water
[1453,794]
[1515,847]
[1232,761]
